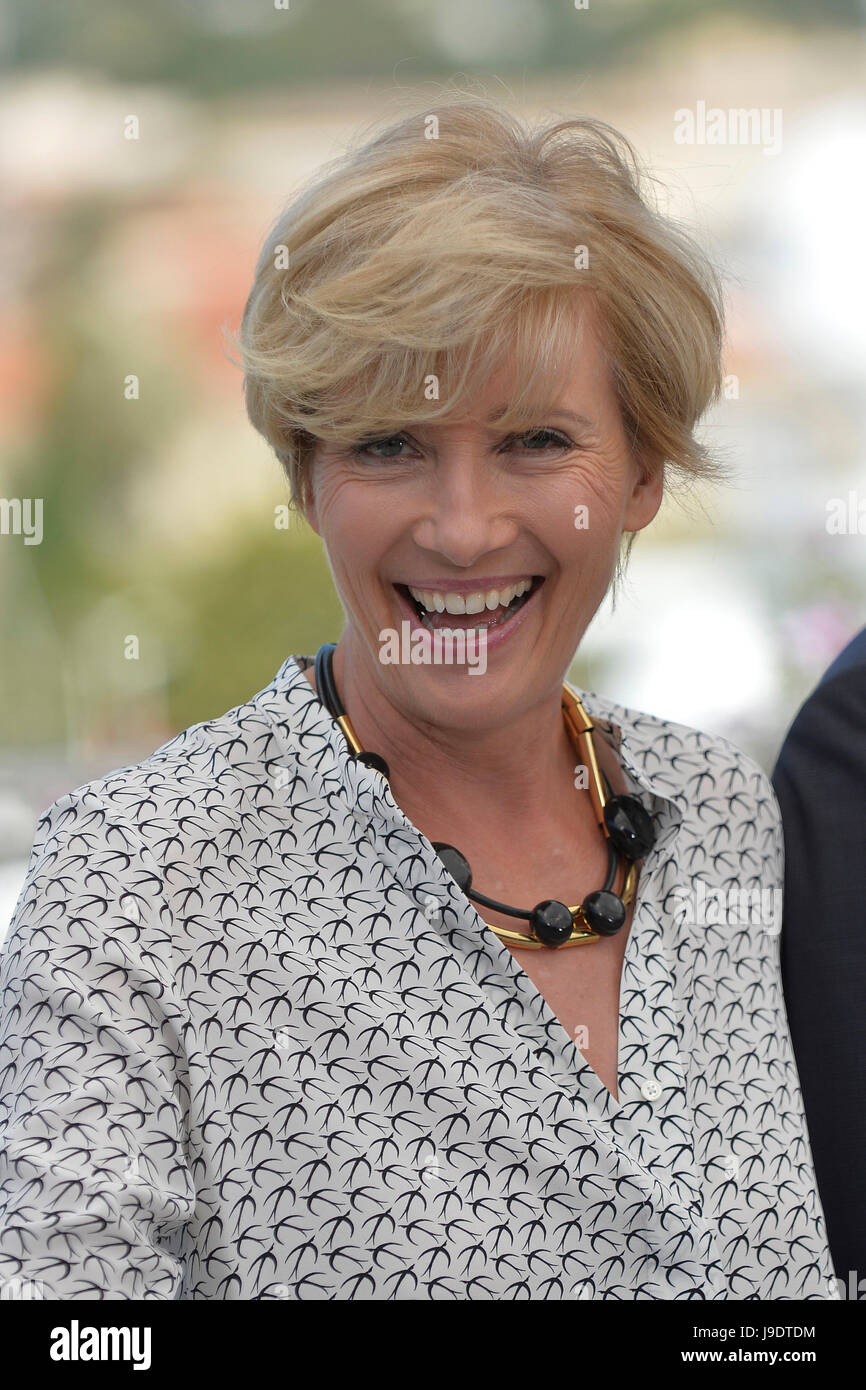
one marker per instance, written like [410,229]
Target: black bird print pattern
[256,1044]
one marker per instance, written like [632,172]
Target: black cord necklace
[623,821]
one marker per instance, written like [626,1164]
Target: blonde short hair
[451,239]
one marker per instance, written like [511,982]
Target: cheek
[356,527]
[580,520]
[340,505]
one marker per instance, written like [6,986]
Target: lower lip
[495,635]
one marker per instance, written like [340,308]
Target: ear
[646,494]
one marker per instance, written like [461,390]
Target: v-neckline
[554,1030]
[566,1055]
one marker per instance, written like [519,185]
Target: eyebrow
[548,410]
[540,412]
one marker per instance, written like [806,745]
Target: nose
[467,510]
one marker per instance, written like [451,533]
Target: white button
[650,1090]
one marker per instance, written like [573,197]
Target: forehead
[538,360]
[572,381]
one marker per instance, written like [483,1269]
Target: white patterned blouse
[257,1044]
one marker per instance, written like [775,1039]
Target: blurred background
[145,151]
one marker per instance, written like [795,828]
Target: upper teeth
[476,602]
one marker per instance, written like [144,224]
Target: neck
[518,769]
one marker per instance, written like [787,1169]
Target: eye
[538,439]
[391,443]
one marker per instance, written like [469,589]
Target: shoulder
[824,740]
[190,789]
[658,741]
[723,818]
[121,851]
[686,764]
[850,662]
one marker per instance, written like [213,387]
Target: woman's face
[461,506]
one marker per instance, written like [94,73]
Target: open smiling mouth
[486,619]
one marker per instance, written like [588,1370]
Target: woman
[397,981]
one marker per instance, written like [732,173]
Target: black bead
[374,761]
[455,863]
[629,826]
[604,912]
[552,922]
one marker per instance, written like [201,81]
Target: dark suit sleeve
[820,780]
